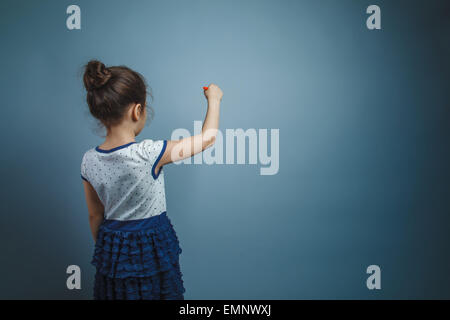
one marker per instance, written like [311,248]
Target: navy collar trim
[114,149]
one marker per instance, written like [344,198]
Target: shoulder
[151,151]
[145,143]
[87,156]
[151,148]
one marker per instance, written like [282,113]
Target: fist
[213,92]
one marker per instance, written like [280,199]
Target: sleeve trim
[84,178]
[154,175]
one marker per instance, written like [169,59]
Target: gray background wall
[364,143]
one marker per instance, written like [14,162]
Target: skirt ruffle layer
[142,264]
[167,285]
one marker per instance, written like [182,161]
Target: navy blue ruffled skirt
[138,259]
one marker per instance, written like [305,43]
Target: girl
[136,248]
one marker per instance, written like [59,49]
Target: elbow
[209,143]
[95,216]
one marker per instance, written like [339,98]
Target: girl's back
[125,179]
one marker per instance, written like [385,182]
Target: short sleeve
[152,151]
[84,169]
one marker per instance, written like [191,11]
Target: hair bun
[96,75]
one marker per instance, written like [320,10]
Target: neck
[117,136]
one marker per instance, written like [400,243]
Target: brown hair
[110,91]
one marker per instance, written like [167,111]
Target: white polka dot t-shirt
[125,179]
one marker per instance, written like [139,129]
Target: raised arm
[184,148]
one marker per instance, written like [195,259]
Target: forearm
[95,222]
[211,123]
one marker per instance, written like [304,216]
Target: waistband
[135,225]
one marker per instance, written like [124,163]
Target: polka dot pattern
[124,182]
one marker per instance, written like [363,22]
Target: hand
[213,93]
